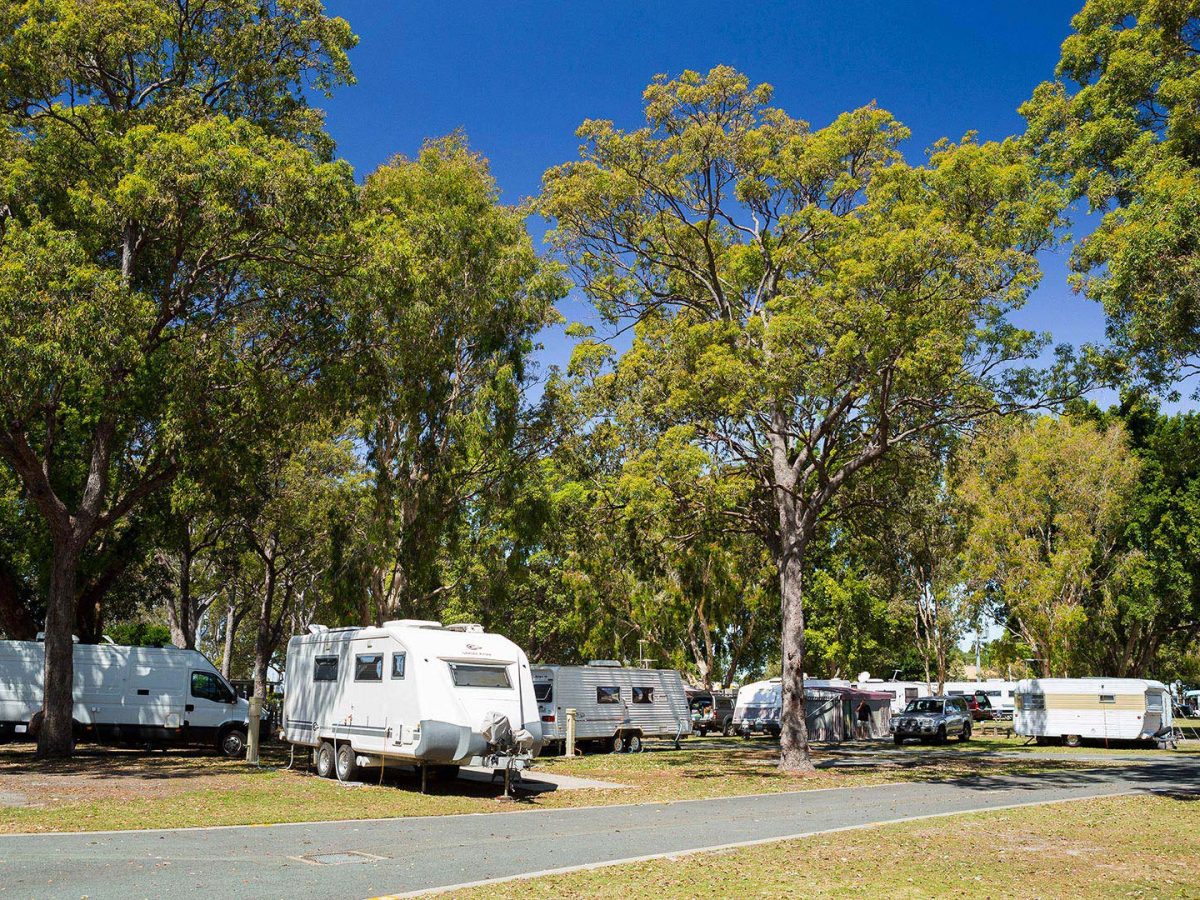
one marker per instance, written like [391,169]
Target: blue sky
[519,77]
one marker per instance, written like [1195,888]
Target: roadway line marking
[679,854]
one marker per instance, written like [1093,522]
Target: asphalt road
[365,859]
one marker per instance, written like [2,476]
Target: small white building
[1073,709]
[411,692]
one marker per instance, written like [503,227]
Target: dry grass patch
[117,789]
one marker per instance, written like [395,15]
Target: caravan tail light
[547,718]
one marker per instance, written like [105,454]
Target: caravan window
[207,686]
[608,695]
[1031,701]
[325,668]
[398,665]
[644,695]
[1108,698]
[543,691]
[368,667]
[466,675]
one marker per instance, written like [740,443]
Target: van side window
[398,665]
[608,695]
[643,695]
[325,668]
[368,667]
[207,686]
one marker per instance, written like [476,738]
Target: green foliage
[1120,127]
[1048,499]
[140,634]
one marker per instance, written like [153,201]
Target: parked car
[933,719]
[711,711]
[981,708]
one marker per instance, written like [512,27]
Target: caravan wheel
[326,761]
[634,744]
[347,763]
[1072,740]
[618,743]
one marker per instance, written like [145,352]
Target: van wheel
[233,743]
[1072,740]
[634,744]
[347,763]
[326,764]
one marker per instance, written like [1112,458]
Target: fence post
[252,743]
[570,748]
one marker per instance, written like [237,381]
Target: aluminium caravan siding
[575,687]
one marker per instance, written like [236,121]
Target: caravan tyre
[634,744]
[1072,740]
[326,764]
[347,763]
[444,773]
[618,743]
[232,743]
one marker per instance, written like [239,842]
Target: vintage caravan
[410,692]
[144,696]
[1073,709]
[614,705]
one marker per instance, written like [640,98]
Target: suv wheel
[899,740]
[941,735]
[966,732]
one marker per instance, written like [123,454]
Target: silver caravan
[409,693]
[127,695]
[612,704]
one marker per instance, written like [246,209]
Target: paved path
[363,859]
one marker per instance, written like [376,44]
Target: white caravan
[613,704]
[901,692]
[759,707]
[127,695]
[1071,709]
[408,693]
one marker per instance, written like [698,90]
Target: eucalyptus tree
[443,312]
[1119,126]
[1048,500]
[804,299]
[168,221]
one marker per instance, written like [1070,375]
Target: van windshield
[466,675]
[924,705]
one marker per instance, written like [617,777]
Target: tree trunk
[232,620]
[794,730]
[55,737]
[262,640]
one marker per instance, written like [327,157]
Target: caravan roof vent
[412,623]
[605,663]
[317,629]
[466,627]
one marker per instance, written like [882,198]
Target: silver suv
[933,719]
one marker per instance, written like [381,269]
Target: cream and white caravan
[409,693]
[613,704]
[1073,709]
[143,696]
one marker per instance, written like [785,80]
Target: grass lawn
[114,789]
[1144,846]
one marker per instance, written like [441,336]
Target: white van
[614,705]
[411,692]
[140,696]
[1072,709]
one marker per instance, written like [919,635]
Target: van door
[210,704]
[154,699]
